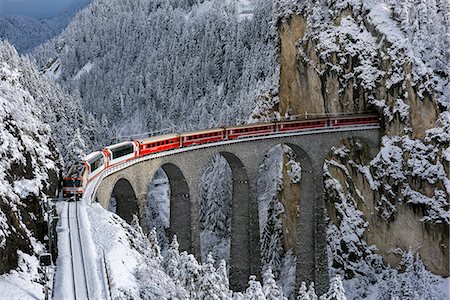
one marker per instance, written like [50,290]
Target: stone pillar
[244,248]
[142,212]
[195,215]
[305,231]
[180,212]
[321,277]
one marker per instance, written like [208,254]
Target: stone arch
[126,200]
[242,221]
[304,245]
[180,207]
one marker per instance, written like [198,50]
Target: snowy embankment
[22,283]
[129,268]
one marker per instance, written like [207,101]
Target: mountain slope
[28,169]
[153,65]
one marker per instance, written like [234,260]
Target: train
[97,162]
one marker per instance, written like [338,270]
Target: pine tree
[312,292]
[173,259]
[222,271]
[254,291]
[76,151]
[336,290]
[155,249]
[303,292]
[272,249]
[189,273]
[210,283]
[271,290]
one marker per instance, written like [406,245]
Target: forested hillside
[159,64]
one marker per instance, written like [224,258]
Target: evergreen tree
[303,292]
[222,271]
[312,292]
[210,283]
[254,290]
[76,151]
[272,249]
[173,259]
[155,249]
[189,273]
[271,290]
[336,290]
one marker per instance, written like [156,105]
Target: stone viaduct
[184,168]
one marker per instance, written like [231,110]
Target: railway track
[80,276]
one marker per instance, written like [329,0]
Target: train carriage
[235,132]
[121,152]
[72,186]
[94,163]
[202,137]
[356,120]
[158,143]
[302,124]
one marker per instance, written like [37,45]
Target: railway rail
[81,288]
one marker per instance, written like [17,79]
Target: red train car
[202,137]
[158,143]
[356,120]
[249,130]
[303,124]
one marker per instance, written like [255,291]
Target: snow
[23,283]
[84,70]
[245,10]
[28,159]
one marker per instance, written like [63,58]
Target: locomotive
[96,162]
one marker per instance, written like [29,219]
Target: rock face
[353,57]
[28,167]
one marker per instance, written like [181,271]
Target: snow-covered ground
[23,283]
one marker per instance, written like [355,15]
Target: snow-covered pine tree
[189,273]
[154,248]
[272,249]
[76,151]
[312,292]
[254,290]
[303,292]
[392,288]
[336,290]
[173,259]
[425,281]
[270,288]
[210,283]
[222,271]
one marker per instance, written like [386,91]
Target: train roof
[158,138]
[201,131]
[118,145]
[92,155]
[249,125]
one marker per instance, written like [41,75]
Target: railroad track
[80,276]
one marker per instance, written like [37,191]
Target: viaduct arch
[184,167]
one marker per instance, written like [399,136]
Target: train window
[96,163]
[122,151]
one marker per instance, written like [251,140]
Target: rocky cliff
[28,165]
[392,58]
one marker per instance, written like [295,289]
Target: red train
[98,161]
